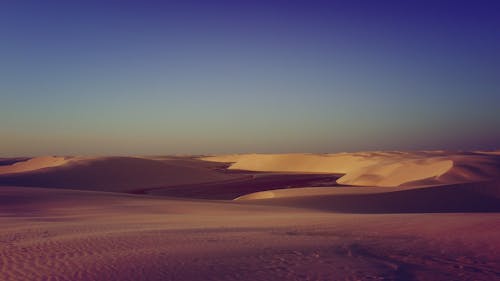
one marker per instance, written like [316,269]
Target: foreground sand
[51,234]
[414,216]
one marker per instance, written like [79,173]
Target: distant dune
[26,165]
[12,160]
[119,174]
[207,177]
[495,152]
[377,168]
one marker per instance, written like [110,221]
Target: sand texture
[356,216]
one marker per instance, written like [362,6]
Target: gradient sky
[195,77]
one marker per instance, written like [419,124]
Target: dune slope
[377,168]
[31,164]
[469,197]
[118,174]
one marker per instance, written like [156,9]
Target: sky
[205,77]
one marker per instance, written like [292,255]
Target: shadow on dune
[228,190]
[175,177]
[471,197]
[118,174]
[10,161]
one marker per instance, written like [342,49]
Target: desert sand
[376,168]
[350,216]
[31,164]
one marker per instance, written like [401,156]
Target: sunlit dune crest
[34,164]
[312,191]
[495,152]
[375,168]
[464,197]
[397,172]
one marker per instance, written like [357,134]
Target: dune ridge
[376,168]
[117,174]
[464,198]
[35,163]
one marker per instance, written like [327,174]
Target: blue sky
[168,77]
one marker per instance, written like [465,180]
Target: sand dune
[54,234]
[33,164]
[469,197]
[192,177]
[133,174]
[495,152]
[117,173]
[377,168]
[247,183]
[421,216]
[168,176]
[12,160]
[317,191]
